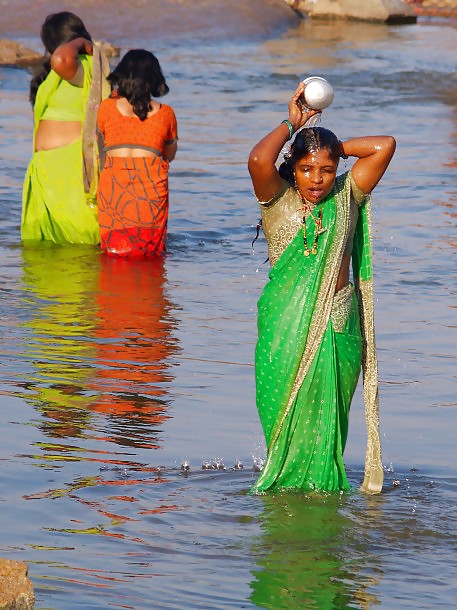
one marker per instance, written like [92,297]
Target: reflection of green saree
[59,283]
[312,555]
[310,345]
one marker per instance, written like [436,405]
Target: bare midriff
[130,152]
[343,276]
[55,134]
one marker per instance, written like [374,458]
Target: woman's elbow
[390,145]
[254,161]
[58,62]
[170,152]
[64,66]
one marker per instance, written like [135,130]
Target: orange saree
[133,191]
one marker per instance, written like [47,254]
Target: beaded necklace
[307,208]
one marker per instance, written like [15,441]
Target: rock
[14,54]
[16,591]
[387,11]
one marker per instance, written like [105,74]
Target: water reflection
[99,340]
[451,200]
[134,343]
[311,556]
[60,283]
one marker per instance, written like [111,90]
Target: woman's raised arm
[262,159]
[65,59]
[374,154]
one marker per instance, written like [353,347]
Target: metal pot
[318,93]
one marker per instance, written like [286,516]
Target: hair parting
[308,140]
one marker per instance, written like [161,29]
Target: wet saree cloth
[133,191]
[133,206]
[310,346]
[59,192]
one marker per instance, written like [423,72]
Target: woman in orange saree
[139,139]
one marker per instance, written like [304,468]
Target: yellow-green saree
[59,192]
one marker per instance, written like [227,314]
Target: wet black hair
[308,140]
[57,29]
[138,77]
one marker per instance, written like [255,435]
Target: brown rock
[14,54]
[387,11]
[16,591]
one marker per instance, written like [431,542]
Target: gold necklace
[318,230]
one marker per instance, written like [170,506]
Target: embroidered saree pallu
[311,344]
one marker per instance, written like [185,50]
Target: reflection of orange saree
[134,345]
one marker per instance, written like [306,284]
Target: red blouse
[120,131]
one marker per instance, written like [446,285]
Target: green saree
[59,194]
[311,345]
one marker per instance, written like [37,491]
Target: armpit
[267,204]
[78,78]
[357,193]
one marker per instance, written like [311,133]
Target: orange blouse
[120,131]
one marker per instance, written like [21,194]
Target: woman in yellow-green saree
[59,193]
[315,327]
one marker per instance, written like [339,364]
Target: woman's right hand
[262,159]
[298,113]
[65,59]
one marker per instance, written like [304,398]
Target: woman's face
[315,174]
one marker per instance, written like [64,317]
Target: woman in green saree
[315,328]
[59,193]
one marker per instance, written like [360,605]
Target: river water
[114,375]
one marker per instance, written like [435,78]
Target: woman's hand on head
[65,59]
[298,114]
[374,154]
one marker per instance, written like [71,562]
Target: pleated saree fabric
[133,206]
[310,344]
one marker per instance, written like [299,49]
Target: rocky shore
[16,591]
[208,18]
[13,53]
[434,8]
[389,11]
[420,8]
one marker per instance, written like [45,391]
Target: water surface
[113,374]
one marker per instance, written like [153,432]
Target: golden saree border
[325,296]
[98,89]
[374,473]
